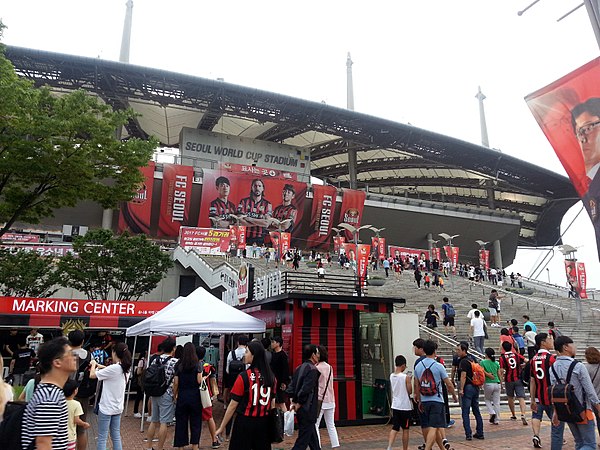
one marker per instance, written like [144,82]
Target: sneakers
[514,417]
[137,415]
[451,423]
[524,420]
[537,442]
[153,440]
[216,444]
[446,444]
[478,436]
[492,418]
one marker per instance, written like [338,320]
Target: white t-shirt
[33,342]
[530,338]
[471,313]
[114,380]
[477,324]
[400,398]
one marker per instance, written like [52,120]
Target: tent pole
[144,399]
[132,369]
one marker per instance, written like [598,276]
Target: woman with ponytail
[491,388]
[112,397]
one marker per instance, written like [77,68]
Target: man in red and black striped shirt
[511,366]
[257,212]
[540,378]
[287,210]
[221,209]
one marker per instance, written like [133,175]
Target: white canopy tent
[199,312]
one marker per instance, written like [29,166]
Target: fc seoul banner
[568,112]
[238,236]
[321,221]
[353,204]
[205,240]
[262,204]
[378,246]
[135,214]
[338,241]
[435,253]
[581,280]
[484,259]
[403,252]
[452,255]
[176,199]
[362,263]
[285,239]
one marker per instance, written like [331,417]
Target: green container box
[367,398]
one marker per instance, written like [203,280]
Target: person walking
[491,387]
[401,387]
[139,392]
[186,394]
[327,397]
[386,267]
[511,366]
[418,277]
[469,394]
[304,391]
[112,397]
[592,358]
[449,316]
[281,369]
[252,396]
[530,341]
[493,306]
[478,330]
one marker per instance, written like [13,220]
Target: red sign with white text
[452,256]
[135,215]
[338,241]
[363,252]
[258,171]
[176,199]
[484,259]
[378,246]
[18,237]
[581,280]
[285,239]
[205,240]
[435,253]
[353,204]
[322,217]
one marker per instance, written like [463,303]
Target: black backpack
[156,382]
[87,385]
[562,396]
[236,366]
[11,427]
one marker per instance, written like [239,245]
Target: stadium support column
[349,84]
[126,38]
[491,196]
[352,167]
[482,123]
[430,243]
[497,255]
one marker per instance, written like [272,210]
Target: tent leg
[132,371]
[144,399]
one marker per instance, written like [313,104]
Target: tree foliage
[27,274]
[56,151]
[125,266]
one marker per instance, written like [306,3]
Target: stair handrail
[448,340]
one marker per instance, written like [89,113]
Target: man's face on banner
[587,129]
[257,188]
[223,190]
[287,196]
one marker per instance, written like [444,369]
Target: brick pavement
[507,435]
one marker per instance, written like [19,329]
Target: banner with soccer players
[134,215]
[353,204]
[484,259]
[452,255]
[403,252]
[568,112]
[338,241]
[378,246]
[262,204]
[323,211]
[176,199]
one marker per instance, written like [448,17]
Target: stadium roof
[392,158]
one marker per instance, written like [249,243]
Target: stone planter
[376,281]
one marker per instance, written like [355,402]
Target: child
[75,411]
[427,280]
[441,284]
[401,385]
[519,341]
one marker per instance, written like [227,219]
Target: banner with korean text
[134,215]
[322,217]
[206,241]
[363,252]
[353,204]
[176,199]
[581,280]
[338,241]
[378,246]
[452,255]
[484,259]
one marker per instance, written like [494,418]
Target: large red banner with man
[402,252]
[338,241]
[581,280]
[378,246]
[176,199]
[350,252]
[484,259]
[353,204]
[207,241]
[135,214]
[435,253]
[261,204]
[568,111]
[452,255]
[322,217]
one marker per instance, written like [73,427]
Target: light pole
[448,239]
[569,253]
[355,237]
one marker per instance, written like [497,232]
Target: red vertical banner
[338,241]
[448,252]
[242,283]
[135,214]
[241,236]
[382,248]
[350,251]
[285,240]
[353,204]
[275,237]
[571,271]
[435,253]
[322,217]
[581,280]
[484,259]
[454,260]
[362,262]
[176,199]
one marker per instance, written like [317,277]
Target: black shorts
[400,419]
[449,321]
[433,415]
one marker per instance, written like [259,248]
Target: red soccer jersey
[219,208]
[257,210]
[540,372]
[286,212]
[511,363]
[253,397]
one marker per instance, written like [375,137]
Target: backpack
[450,311]
[156,382]
[87,385]
[236,366]
[427,384]
[11,427]
[562,396]
[478,378]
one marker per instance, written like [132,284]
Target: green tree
[57,151]
[27,274]
[125,266]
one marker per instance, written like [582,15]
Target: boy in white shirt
[401,385]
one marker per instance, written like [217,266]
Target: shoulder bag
[320,401]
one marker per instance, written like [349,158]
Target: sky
[417,62]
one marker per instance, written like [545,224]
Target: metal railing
[453,342]
[303,282]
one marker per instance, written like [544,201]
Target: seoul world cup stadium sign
[199,145]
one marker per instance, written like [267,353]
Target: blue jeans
[107,422]
[556,433]
[478,343]
[584,434]
[470,400]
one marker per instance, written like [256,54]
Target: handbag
[320,402]
[276,425]
[205,395]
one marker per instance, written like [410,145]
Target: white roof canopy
[199,312]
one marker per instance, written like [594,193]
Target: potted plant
[376,281]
